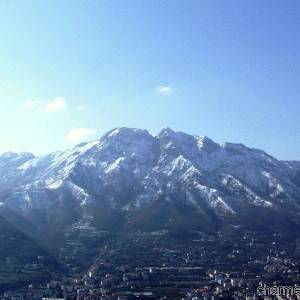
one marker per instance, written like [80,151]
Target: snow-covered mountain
[131,179]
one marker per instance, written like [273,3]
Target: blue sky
[72,70]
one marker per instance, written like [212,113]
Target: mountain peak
[125,131]
[12,155]
[167,131]
[207,144]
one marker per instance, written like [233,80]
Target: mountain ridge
[7,154]
[128,173]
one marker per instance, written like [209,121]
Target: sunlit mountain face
[132,180]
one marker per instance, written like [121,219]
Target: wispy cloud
[80,107]
[77,135]
[55,105]
[164,90]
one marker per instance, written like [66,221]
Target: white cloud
[31,105]
[77,135]
[164,90]
[57,104]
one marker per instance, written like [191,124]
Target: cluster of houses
[156,265]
